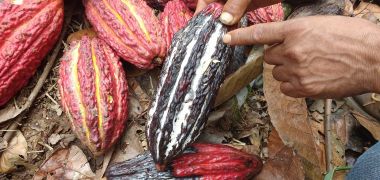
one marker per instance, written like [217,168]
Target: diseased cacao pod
[175,16]
[190,78]
[215,161]
[130,28]
[200,161]
[139,167]
[94,91]
[273,13]
[27,33]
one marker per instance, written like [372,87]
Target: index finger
[266,33]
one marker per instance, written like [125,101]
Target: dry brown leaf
[365,7]
[69,163]
[372,125]
[129,145]
[241,78]
[141,95]
[9,112]
[76,36]
[106,161]
[15,154]
[289,116]
[283,162]
[134,108]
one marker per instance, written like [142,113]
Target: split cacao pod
[130,28]
[200,161]
[176,15]
[189,80]
[27,33]
[273,13]
[94,91]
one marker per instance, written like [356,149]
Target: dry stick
[51,61]
[328,145]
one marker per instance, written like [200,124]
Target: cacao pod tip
[157,61]
[161,167]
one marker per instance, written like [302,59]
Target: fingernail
[226,18]
[227,38]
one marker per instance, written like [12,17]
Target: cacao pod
[192,73]
[139,167]
[130,28]
[27,33]
[267,14]
[175,16]
[200,161]
[215,161]
[192,4]
[94,91]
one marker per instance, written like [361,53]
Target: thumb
[266,33]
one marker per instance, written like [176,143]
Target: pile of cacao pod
[93,84]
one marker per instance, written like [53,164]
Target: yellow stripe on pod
[78,94]
[97,90]
[138,18]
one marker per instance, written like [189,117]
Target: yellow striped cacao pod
[131,28]
[94,91]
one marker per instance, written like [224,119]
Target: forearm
[373,52]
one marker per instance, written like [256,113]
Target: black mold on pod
[190,78]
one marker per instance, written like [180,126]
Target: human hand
[319,57]
[234,9]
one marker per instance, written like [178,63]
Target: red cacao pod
[192,4]
[94,90]
[130,28]
[215,161]
[176,15]
[267,14]
[27,33]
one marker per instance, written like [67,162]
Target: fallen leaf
[365,7]
[141,95]
[289,116]
[69,163]
[372,125]
[76,36]
[242,77]
[134,108]
[106,161]
[15,154]
[283,162]
[54,139]
[129,145]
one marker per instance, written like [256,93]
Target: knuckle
[295,53]
[257,32]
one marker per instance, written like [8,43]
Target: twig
[328,145]
[51,61]
[51,98]
[33,152]
[46,145]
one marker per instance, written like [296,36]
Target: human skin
[319,56]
